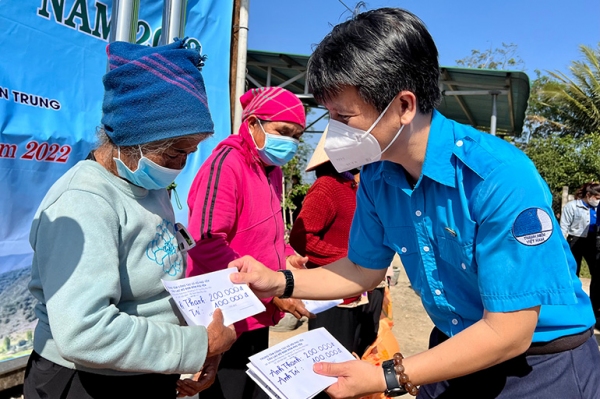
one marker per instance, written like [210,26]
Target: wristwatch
[289,284]
[391,380]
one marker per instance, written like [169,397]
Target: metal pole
[564,198]
[494,114]
[240,79]
[173,21]
[473,92]
[124,20]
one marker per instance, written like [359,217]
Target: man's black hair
[380,52]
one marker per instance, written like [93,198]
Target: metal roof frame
[490,100]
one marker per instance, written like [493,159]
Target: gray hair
[154,147]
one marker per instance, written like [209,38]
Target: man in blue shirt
[469,216]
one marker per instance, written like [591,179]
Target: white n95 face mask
[348,147]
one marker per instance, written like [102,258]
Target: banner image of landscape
[51,65]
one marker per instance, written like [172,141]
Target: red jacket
[235,210]
[322,229]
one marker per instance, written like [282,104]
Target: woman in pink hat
[235,210]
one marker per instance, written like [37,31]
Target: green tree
[562,126]
[565,161]
[7,343]
[295,167]
[542,118]
[504,57]
[575,100]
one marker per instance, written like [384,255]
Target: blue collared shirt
[592,228]
[477,232]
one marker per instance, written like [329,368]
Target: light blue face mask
[278,150]
[148,174]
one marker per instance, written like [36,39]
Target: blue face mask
[148,174]
[278,150]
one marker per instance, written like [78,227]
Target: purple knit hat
[153,93]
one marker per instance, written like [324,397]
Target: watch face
[395,392]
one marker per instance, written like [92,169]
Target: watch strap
[391,380]
[289,284]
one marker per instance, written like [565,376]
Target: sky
[547,33]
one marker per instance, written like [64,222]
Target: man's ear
[407,106]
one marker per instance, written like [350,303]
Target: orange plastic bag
[386,307]
[385,344]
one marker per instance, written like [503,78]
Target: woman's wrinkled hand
[296,262]
[201,380]
[220,337]
[293,306]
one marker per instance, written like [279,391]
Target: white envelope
[315,307]
[285,370]
[197,298]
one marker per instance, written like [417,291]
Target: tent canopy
[468,94]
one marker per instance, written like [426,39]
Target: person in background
[578,224]
[235,210]
[104,237]
[321,234]
[470,217]
[298,198]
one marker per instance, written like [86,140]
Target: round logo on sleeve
[532,227]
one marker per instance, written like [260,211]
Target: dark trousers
[355,328]
[572,374]
[232,382]
[588,248]
[584,248]
[47,380]
[595,282]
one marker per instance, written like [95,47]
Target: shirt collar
[583,204]
[438,163]
[391,173]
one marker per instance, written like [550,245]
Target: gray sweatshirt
[101,247]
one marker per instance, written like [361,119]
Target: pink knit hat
[273,104]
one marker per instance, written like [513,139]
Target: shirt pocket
[403,240]
[456,254]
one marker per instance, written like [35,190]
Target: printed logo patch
[163,249]
[532,227]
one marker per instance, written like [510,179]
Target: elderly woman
[235,210]
[104,237]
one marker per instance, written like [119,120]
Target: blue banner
[52,58]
